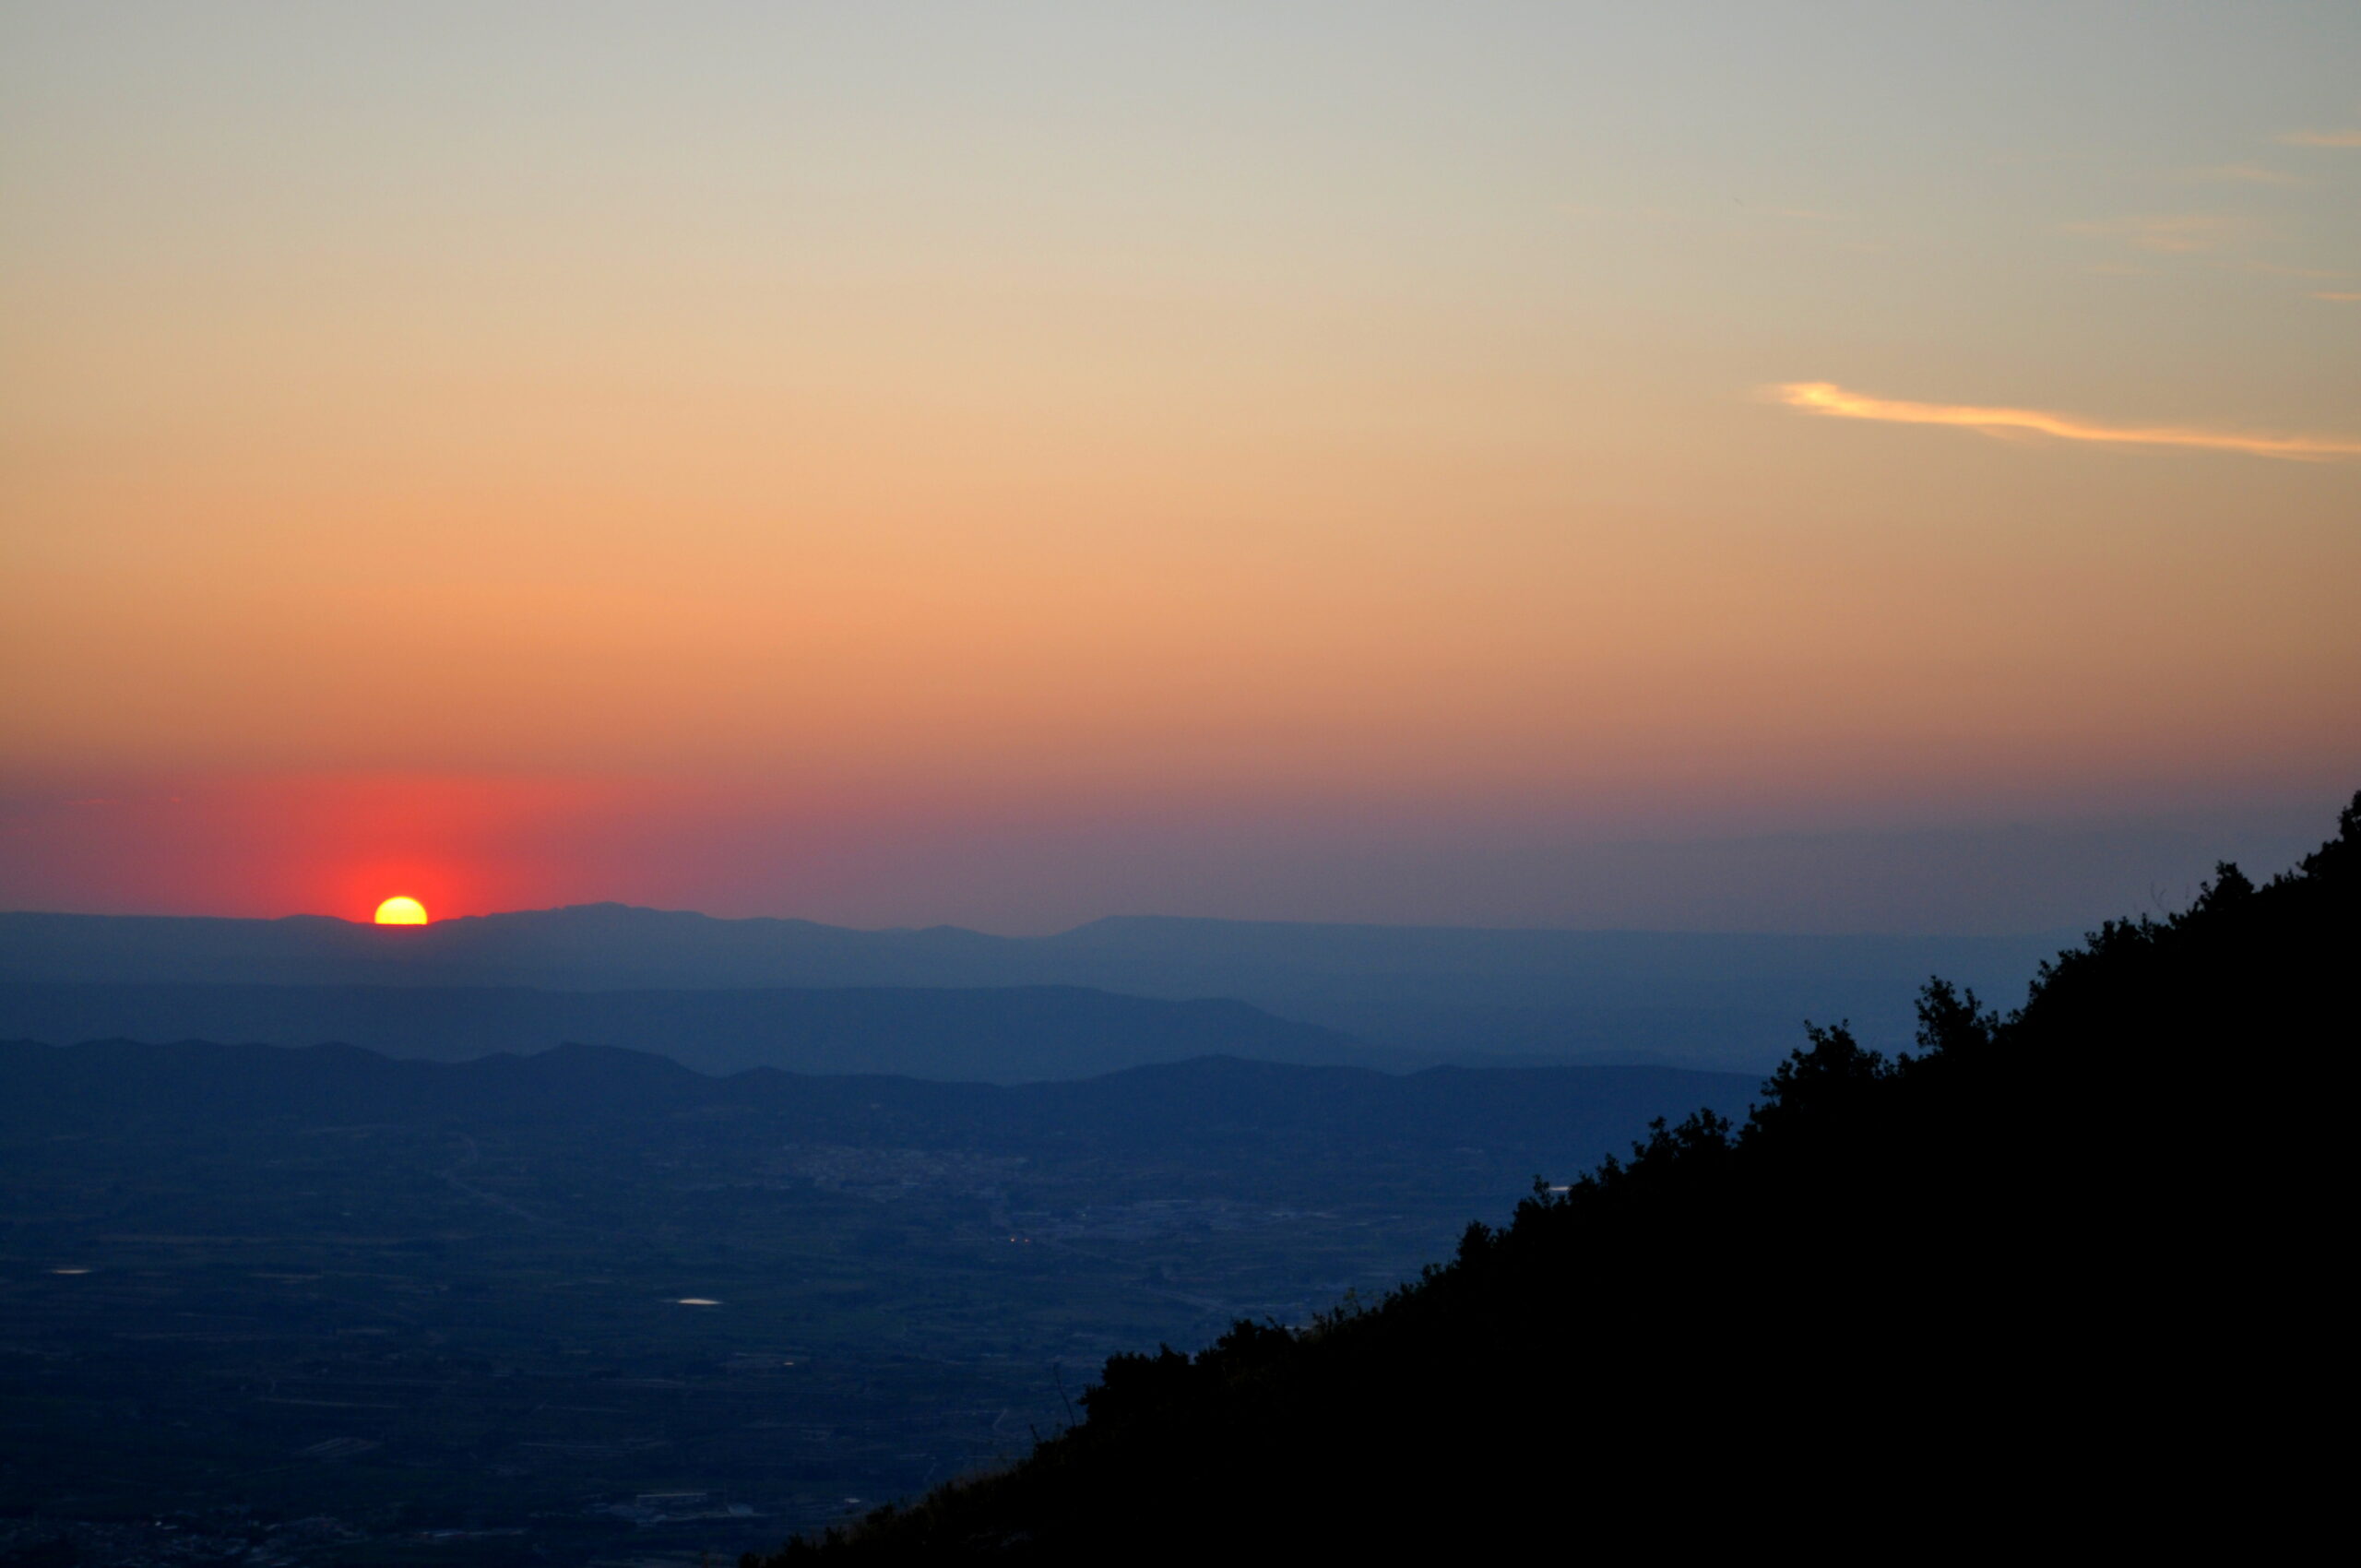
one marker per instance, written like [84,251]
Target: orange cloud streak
[1826,397]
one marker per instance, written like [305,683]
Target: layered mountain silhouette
[1004,1035]
[1427,993]
[2064,1277]
[1194,1110]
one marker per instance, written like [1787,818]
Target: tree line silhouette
[2058,1280]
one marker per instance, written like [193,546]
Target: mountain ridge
[1722,1000]
[1005,1034]
[1195,1102]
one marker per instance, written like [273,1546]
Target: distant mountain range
[1564,1118]
[1012,1034]
[1723,1001]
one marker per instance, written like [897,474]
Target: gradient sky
[1788,467]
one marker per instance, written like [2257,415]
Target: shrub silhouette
[2057,1279]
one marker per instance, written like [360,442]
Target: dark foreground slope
[2059,1277]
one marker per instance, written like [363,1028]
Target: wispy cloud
[2339,298]
[1826,397]
[2278,269]
[2175,233]
[2245,173]
[1788,214]
[2323,138]
[1641,214]
[1739,208]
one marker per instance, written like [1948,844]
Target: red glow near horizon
[335,845]
[340,844]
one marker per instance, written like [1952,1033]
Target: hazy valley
[251,1286]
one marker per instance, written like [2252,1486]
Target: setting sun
[401,910]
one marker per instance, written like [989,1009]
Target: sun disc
[401,909]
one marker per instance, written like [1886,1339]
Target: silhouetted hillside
[1703,1000]
[1011,1034]
[2060,1278]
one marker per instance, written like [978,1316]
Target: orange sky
[495,452]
